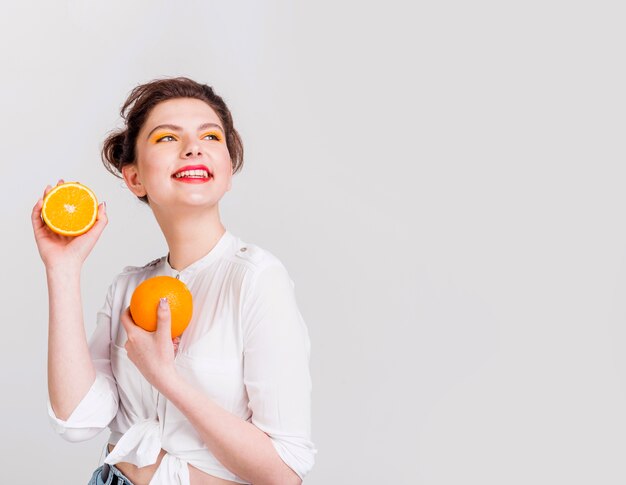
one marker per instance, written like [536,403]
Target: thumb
[92,235]
[164,321]
[101,220]
[127,321]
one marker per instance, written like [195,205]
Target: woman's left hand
[152,352]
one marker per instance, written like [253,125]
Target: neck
[190,235]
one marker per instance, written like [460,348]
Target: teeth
[193,174]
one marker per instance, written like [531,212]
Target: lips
[197,172]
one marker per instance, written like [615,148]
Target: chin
[201,201]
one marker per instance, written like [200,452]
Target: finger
[47,189]
[35,215]
[96,230]
[127,322]
[164,321]
[102,217]
[101,221]
[61,181]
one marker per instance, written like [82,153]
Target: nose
[191,148]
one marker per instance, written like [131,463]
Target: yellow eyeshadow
[214,133]
[156,137]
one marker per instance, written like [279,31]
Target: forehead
[181,111]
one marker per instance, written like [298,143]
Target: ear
[131,177]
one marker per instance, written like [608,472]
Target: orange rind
[70,209]
[144,303]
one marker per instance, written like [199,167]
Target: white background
[443,181]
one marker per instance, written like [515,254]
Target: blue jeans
[108,475]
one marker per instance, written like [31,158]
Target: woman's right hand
[59,251]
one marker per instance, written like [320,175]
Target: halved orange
[70,209]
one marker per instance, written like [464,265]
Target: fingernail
[104,205]
[163,303]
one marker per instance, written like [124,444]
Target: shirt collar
[222,245]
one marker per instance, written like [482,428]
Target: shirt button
[243,250]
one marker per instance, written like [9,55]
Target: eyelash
[217,137]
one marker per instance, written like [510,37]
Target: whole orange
[145,301]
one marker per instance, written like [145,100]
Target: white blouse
[247,347]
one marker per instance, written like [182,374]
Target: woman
[229,402]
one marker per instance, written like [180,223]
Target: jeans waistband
[108,470]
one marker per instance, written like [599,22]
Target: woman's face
[180,137]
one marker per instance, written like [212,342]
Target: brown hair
[118,148]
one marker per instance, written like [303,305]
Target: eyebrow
[178,128]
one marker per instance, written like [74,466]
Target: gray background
[444,182]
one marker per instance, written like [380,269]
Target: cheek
[153,165]
[224,166]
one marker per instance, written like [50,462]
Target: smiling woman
[187,154]
[227,403]
[119,149]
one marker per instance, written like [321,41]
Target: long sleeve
[276,366]
[99,406]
